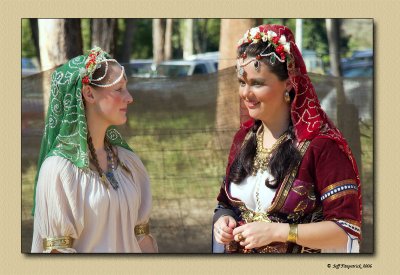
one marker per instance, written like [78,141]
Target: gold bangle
[57,243]
[293,230]
[142,229]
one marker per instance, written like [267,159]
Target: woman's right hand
[223,229]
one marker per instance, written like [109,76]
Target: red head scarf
[308,119]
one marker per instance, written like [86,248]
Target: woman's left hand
[257,234]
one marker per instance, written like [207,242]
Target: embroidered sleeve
[336,187]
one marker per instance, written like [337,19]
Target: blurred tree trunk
[103,34]
[162,40]
[59,41]
[200,36]
[158,40]
[126,49]
[168,40]
[333,32]
[228,115]
[187,38]
[33,22]
[346,113]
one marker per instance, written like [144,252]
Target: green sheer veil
[65,132]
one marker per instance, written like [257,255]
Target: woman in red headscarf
[292,184]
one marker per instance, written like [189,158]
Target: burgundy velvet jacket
[323,187]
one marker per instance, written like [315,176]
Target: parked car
[139,67]
[29,66]
[208,56]
[176,68]
[360,64]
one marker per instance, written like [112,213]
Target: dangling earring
[287,97]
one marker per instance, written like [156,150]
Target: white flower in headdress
[254,31]
[271,34]
[264,37]
[282,39]
[246,35]
[286,47]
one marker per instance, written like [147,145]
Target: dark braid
[94,155]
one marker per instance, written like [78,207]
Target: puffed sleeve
[141,178]
[337,188]
[56,213]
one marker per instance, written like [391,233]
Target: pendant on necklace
[111,179]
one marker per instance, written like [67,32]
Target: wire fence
[172,127]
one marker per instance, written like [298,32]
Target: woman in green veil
[92,193]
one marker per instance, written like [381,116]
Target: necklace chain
[263,155]
[261,161]
[258,202]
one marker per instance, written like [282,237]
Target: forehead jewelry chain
[241,64]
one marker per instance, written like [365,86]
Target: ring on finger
[240,237]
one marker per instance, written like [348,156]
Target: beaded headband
[93,62]
[281,48]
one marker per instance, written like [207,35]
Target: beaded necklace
[111,167]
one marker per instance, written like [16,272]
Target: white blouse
[246,192]
[73,202]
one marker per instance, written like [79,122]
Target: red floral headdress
[94,60]
[278,42]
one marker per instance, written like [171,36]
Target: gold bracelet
[292,237]
[142,229]
[57,243]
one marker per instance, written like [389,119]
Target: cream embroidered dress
[73,202]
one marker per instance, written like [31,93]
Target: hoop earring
[287,97]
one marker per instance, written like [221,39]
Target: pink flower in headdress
[279,49]
[85,80]
[275,40]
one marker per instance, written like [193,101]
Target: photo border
[385,20]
